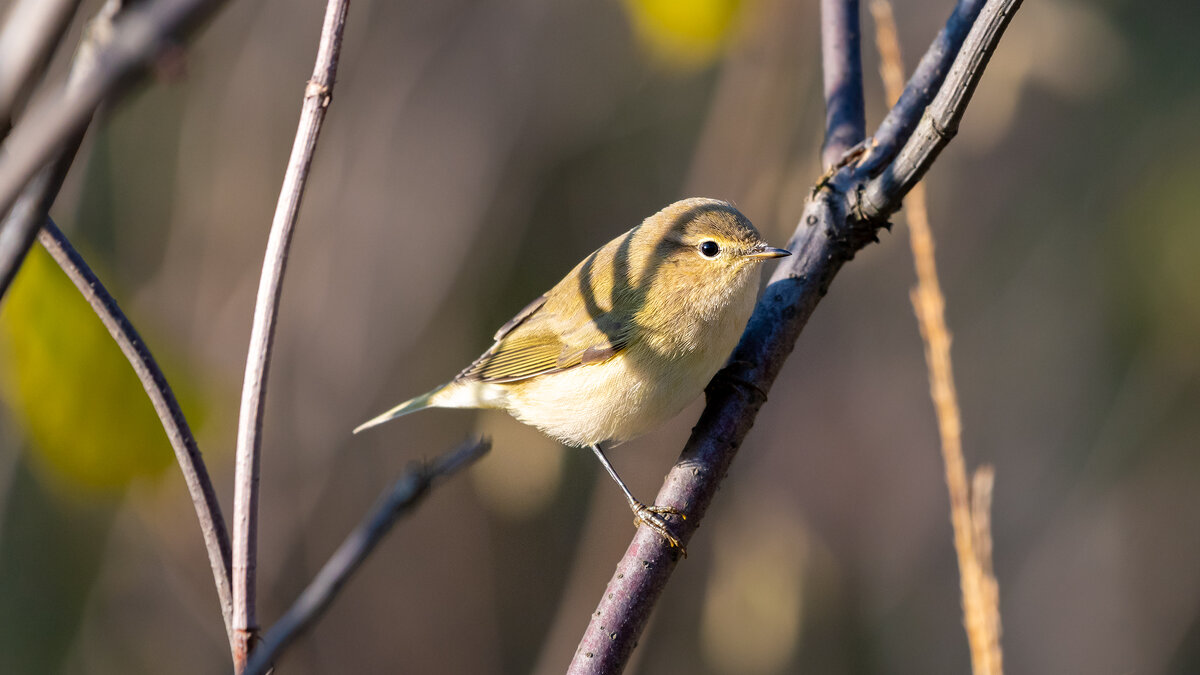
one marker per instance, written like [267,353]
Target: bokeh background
[474,151]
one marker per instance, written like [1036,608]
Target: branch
[32,30]
[20,227]
[195,475]
[317,96]
[399,500]
[925,82]
[143,31]
[831,230]
[841,58]
[883,194]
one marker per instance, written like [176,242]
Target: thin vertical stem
[981,611]
[317,96]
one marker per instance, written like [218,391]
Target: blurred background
[474,151]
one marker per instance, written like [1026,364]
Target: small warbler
[625,341]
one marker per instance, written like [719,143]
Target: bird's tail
[411,405]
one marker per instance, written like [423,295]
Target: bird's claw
[653,517]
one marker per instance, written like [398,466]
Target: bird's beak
[766,253]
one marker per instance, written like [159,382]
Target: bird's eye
[709,249]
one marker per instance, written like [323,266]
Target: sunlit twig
[317,96]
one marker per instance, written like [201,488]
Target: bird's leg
[650,516]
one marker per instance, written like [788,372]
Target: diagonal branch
[20,227]
[195,475]
[832,228]
[31,31]
[925,82]
[317,96]
[143,31]
[939,124]
[841,59]
[400,499]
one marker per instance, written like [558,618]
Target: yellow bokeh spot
[522,474]
[69,388]
[753,605]
[685,33]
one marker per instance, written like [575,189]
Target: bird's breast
[643,386]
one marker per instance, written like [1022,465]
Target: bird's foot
[655,518]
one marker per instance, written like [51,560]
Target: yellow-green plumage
[628,338]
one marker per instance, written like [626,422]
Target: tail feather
[410,406]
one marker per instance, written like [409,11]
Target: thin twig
[831,230]
[195,475]
[925,82]
[32,29]
[398,501]
[317,96]
[841,60]
[144,30]
[883,194]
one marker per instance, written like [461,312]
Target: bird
[624,341]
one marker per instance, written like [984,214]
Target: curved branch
[399,500]
[195,475]
[831,229]
[317,96]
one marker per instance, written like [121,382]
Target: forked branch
[833,226]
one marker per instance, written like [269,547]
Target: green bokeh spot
[88,421]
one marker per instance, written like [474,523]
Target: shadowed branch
[142,32]
[841,60]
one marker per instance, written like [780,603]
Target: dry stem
[317,96]
[981,610]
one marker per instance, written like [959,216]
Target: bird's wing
[548,338]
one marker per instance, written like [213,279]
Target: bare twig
[317,96]
[841,58]
[195,475]
[399,500]
[925,82]
[31,31]
[831,229]
[939,123]
[143,31]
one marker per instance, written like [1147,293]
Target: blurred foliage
[1162,290]
[51,552]
[686,33]
[88,420]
